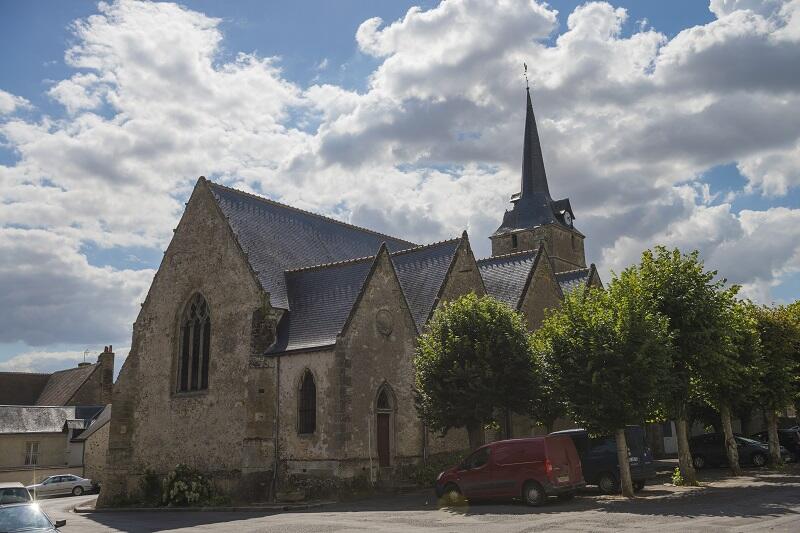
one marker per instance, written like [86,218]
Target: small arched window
[383,400]
[307,405]
[195,341]
[514,242]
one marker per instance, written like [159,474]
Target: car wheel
[758,459]
[451,495]
[608,483]
[77,491]
[638,485]
[699,462]
[533,494]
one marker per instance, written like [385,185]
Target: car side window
[478,459]
[603,445]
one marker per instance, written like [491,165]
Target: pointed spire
[534,178]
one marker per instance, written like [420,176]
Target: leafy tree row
[666,338]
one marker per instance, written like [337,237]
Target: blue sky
[364,108]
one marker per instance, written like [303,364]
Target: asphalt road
[743,505]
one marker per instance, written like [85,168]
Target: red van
[531,469]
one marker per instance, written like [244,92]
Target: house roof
[505,276]
[421,272]
[102,419]
[277,237]
[21,388]
[63,384]
[34,419]
[321,297]
[574,279]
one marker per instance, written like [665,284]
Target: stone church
[274,341]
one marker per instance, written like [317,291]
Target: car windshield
[23,518]
[14,495]
[749,441]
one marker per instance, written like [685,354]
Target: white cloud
[10,103]
[43,361]
[629,122]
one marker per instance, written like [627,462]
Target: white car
[63,484]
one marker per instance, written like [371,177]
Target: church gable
[541,293]
[463,276]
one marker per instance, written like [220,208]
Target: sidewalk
[89,507]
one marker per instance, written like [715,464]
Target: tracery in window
[195,343]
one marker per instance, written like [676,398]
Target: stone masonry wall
[94,454]
[152,426]
[564,246]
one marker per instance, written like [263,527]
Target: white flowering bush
[186,486]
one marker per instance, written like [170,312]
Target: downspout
[275,465]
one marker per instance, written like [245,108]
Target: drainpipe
[276,436]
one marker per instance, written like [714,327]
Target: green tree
[547,405]
[682,289]
[729,375]
[609,353]
[779,331]
[473,365]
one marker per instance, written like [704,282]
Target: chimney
[106,361]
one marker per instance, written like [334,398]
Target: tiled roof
[102,419]
[21,388]
[277,237]
[573,279]
[63,384]
[322,297]
[320,300]
[421,272]
[505,276]
[30,419]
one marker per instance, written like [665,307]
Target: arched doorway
[383,411]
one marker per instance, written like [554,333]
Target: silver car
[63,484]
[13,492]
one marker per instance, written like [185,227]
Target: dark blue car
[599,458]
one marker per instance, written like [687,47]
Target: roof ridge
[510,254]
[74,368]
[573,270]
[305,212]
[331,264]
[421,246]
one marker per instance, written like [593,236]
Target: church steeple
[534,178]
[535,218]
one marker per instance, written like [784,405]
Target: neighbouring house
[275,342]
[39,441]
[88,384]
[94,441]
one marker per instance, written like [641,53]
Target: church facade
[277,342]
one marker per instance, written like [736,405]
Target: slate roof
[63,384]
[21,388]
[505,276]
[33,419]
[277,237]
[573,279]
[102,419]
[421,272]
[321,298]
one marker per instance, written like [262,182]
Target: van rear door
[561,464]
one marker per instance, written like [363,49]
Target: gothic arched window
[307,405]
[195,341]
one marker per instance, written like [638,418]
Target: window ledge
[189,394]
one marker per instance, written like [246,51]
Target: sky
[674,123]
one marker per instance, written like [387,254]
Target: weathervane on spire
[526,75]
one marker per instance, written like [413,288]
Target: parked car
[709,450]
[26,517]
[530,469]
[13,492]
[599,458]
[788,438]
[63,484]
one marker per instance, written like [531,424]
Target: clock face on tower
[567,218]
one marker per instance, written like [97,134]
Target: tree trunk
[684,454]
[625,481]
[730,443]
[774,445]
[475,434]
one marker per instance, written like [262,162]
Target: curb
[251,508]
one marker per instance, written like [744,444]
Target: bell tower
[535,218]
